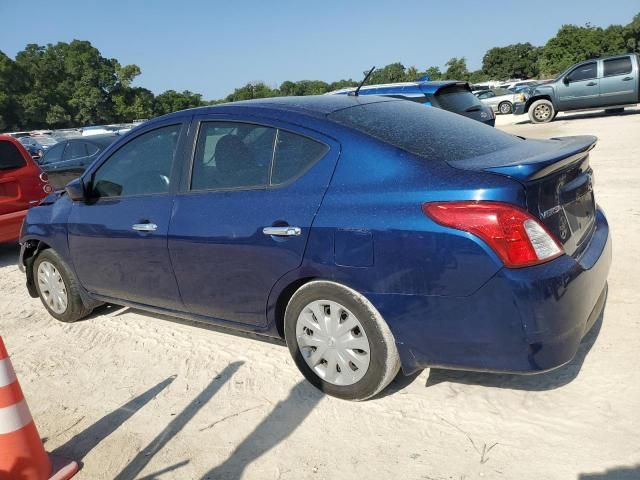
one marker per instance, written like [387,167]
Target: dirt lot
[137,396]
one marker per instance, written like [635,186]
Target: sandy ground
[133,395]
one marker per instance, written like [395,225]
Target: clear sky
[211,47]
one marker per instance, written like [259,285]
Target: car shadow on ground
[538,382]
[9,254]
[617,473]
[83,442]
[582,116]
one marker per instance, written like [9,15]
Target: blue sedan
[336,223]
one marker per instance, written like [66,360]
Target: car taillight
[516,236]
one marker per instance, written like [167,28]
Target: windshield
[430,133]
[457,100]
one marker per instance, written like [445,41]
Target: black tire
[505,108]
[542,111]
[75,309]
[384,361]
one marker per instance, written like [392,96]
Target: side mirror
[566,80]
[76,190]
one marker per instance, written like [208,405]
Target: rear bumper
[519,108]
[10,225]
[525,320]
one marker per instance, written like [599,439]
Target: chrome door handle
[282,231]
[144,227]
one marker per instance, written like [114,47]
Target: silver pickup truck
[610,83]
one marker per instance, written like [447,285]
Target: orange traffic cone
[22,455]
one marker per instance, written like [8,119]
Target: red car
[22,185]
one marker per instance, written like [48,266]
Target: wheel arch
[31,248]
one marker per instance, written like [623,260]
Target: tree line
[72,84]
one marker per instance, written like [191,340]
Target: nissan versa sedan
[337,223]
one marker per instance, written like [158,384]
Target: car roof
[102,139]
[310,105]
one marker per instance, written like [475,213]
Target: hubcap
[333,342]
[52,287]
[505,108]
[542,112]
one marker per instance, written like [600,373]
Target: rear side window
[75,150]
[458,100]
[584,72]
[617,66]
[10,156]
[294,155]
[92,149]
[141,167]
[427,132]
[232,155]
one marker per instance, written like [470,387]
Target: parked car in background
[22,185]
[610,83]
[69,158]
[37,146]
[518,85]
[370,232]
[500,100]
[449,95]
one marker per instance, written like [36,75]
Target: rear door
[118,239]
[243,216]
[619,85]
[581,89]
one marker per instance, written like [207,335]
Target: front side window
[617,66]
[294,155]
[232,155]
[584,72]
[10,156]
[53,155]
[141,167]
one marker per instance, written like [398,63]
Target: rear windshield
[10,156]
[457,99]
[428,132]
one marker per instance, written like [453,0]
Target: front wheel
[57,287]
[542,111]
[339,341]
[505,108]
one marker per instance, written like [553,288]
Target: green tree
[392,73]
[132,104]
[433,73]
[519,60]
[574,44]
[252,90]
[172,101]
[12,85]
[456,69]
[632,35]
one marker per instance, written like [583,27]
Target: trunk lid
[558,183]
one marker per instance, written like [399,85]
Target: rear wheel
[505,108]
[542,111]
[339,341]
[58,287]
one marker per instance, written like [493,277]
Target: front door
[618,85]
[118,239]
[243,219]
[580,88]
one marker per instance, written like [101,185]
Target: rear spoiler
[532,160]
